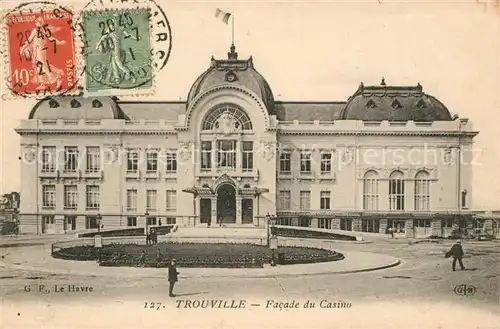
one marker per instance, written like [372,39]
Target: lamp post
[273,241]
[146,214]
[268,218]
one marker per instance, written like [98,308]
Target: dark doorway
[226,204]
[247,211]
[205,210]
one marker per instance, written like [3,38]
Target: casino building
[387,157]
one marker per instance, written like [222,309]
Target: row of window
[71,196]
[285,165]
[151,200]
[285,200]
[225,154]
[370,194]
[93,198]
[92,222]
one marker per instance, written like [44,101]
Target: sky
[321,51]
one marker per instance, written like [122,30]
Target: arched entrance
[226,204]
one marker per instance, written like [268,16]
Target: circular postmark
[39,50]
[124,45]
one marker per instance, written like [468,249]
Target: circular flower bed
[197,255]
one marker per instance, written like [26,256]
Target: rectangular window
[93,197]
[131,221]
[284,221]
[132,160]
[70,158]
[48,220]
[93,159]
[305,200]
[247,156]
[326,163]
[305,162]
[171,161]
[206,155]
[91,222]
[171,201]
[325,223]
[151,221]
[226,154]
[49,159]
[69,223]
[171,220]
[70,196]
[151,200]
[324,202]
[48,196]
[151,161]
[132,200]
[396,194]
[284,200]
[285,163]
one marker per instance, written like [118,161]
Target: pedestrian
[159,222]
[391,230]
[457,253]
[172,278]
[158,257]
[155,237]
[142,260]
[209,222]
[220,221]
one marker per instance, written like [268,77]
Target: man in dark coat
[457,253]
[172,277]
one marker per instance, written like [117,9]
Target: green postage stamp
[117,49]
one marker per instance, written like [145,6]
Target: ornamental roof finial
[382,83]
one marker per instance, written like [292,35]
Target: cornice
[380,133]
[93,132]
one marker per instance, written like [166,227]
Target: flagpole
[232,34]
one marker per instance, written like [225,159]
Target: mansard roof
[76,107]
[394,103]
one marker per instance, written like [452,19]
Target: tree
[11,200]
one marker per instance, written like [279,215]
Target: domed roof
[74,108]
[233,70]
[393,103]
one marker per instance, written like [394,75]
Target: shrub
[296,233]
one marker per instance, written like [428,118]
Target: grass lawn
[197,254]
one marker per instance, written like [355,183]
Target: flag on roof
[222,15]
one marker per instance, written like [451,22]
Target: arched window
[396,191]
[232,115]
[370,190]
[422,190]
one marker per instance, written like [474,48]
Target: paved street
[422,285]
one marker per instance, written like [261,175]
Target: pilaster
[238,210]
[383,225]
[214,218]
[409,231]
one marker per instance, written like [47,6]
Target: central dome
[233,70]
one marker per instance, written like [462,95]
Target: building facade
[389,156]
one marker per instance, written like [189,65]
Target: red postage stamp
[41,52]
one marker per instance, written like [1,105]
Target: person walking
[457,253]
[172,277]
